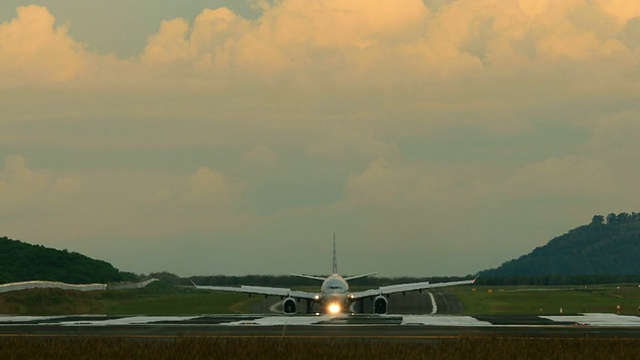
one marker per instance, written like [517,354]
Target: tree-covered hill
[20,261]
[607,246]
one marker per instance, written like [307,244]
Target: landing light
[334,308]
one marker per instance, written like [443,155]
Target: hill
[20,261]
[606,246]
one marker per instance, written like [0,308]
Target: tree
[597,220]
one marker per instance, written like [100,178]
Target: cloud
[169,44]
[621,10]
[489,56]
[21,187]
[208,46]
[206,184]
[379,184]
[616,135]
[260,158]
[385,120]
[340,142]
[630,34]
[566,177]
[34,51]
[614,138]
[341,23]
[132,204]
[397,184]
[357,50]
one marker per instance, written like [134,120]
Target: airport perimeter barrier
[50,284]
[123,286]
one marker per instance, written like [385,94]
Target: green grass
[531,299]
[182,304]
[156,299]
[96,348]
[164,299]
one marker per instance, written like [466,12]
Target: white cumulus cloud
[34,51]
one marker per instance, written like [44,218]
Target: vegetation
[164,299]
[156,299]
[482,347]
[482,300]
[20,261]
[608,248]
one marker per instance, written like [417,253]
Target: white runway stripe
[443,320]
[131,320]
[282,320]
[434,307]
[599,319]
[12,318]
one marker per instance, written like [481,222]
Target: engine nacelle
[289,305]
[380,305]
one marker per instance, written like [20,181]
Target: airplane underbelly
[335,298]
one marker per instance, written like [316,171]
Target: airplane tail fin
[335,260]
[335,265]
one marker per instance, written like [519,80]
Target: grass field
[549,300]
[163,299]
[155,299]
[96,348]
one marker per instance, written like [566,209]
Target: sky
[434,138]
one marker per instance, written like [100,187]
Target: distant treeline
[374,282]
[545,280]
[288,280]
[613,219]
[20,261]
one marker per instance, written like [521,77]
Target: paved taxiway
[392,327]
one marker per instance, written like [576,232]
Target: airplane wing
[263,290]
[393,289]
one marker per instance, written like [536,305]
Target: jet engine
[289,306]
[380,305]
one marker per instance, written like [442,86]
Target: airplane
[334,295]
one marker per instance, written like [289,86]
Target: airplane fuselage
[334,294]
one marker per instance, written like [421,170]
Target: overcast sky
[235,137]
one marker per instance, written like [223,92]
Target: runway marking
[12,318]
[589,319]
[443,320]
[599,319]
[131,320]
[281,320]
[434,307]
[274,308]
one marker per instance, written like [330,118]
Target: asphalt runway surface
[446,323]
[392,327]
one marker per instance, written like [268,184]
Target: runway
[408,327]
[403,324]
